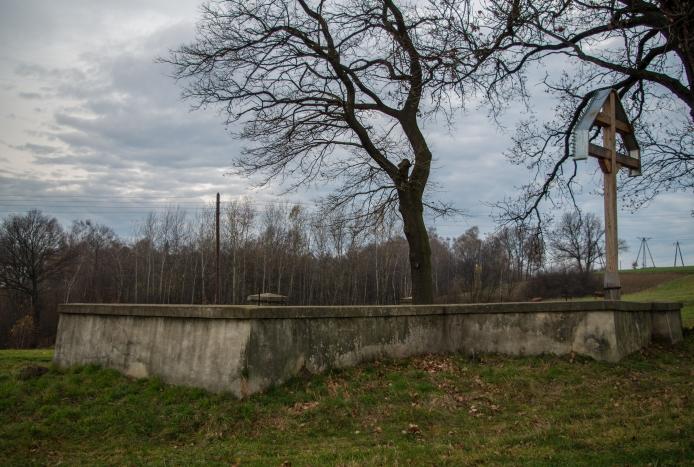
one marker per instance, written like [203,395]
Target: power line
[105,206]
[125,205]
[118,203]
[78,204]
[12,200]
[55,195]
[23,207]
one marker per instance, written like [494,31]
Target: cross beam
[606,111]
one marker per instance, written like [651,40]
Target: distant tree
[577,239]
[525,249]
[32,251]
[562,282]
[331,91]
[92,240]
[467,249]
[239,217]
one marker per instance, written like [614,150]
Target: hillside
[637,280]
[679,289]
[668,284]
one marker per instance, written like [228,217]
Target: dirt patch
[31,372]
[632,283]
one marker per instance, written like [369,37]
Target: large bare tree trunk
[412,211]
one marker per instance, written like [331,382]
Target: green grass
[432,410]
[679,269]
[676,290]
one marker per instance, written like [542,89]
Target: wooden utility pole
[606,111]
[217,277]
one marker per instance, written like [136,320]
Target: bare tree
[32,251]
[238,222]
[148,232]
[95,240]
[330,91]
[578,239]
[642,48]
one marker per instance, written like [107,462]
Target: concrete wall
[245,349]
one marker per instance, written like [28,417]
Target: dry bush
[22,332]
[562,284]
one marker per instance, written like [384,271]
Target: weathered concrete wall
[245,349]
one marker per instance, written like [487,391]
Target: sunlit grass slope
[680,289]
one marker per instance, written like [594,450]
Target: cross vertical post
[217,286]
[609,168]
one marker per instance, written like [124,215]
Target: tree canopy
[643,49]
[330,91]
[32,251]
[337,91]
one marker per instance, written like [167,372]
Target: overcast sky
[92,127]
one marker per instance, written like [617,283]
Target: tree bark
[410,195]
[412,212]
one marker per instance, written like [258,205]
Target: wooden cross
[606,111]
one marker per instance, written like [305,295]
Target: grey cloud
[473,147]
[121,127]
[25,185]
[38,149]
[35,71]
[37,26]
[116,117]
[26,70]
[30,95]
[91,162]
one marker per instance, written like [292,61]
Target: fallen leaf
[300,407]
[414,429]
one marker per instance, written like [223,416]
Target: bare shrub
[22,332]
[562,283]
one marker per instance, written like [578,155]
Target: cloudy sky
[92,127]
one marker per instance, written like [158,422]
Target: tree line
[314,258]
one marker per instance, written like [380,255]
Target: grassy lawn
[677,269]
[428,411]
[680,289]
